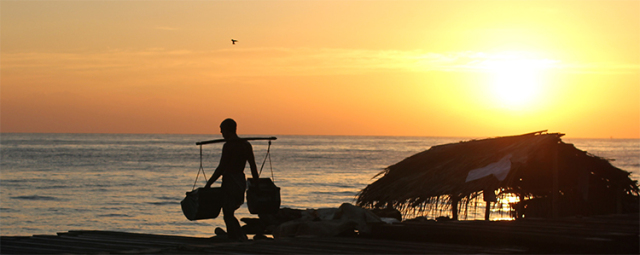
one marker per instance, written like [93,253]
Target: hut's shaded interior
[550,178]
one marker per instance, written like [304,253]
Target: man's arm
[214,177]
[220,169]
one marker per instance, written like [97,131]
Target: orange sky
[411,68]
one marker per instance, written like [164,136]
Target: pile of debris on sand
[346,220]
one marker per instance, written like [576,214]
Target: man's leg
[233,225]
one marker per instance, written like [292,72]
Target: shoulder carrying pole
[245,139]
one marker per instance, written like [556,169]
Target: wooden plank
[401,246]
[296,246]
[362,245]
[121,240]
[357,245]
[275,248]
[60,248]
[13,248]
[91,243]
[139,236]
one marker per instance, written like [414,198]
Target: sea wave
[164,203]
[8,210]
[348,193]
[37,197]
[115,215]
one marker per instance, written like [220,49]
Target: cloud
[281,62]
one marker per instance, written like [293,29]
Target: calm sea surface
[59,182]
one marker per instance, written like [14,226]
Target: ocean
[134,182]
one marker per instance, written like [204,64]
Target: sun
[515,83]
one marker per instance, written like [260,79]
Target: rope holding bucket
[201,169]
[268,155]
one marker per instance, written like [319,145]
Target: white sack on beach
[499,169]
[332,222]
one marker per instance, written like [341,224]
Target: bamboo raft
[109,242]
[603,234]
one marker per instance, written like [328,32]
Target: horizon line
[337,135]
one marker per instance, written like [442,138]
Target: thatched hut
[548,178]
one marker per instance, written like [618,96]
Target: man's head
[228,127]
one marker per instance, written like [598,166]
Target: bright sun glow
[516,81]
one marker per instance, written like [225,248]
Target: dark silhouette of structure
[551,179]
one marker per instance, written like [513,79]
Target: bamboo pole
[556,185]
[245,139]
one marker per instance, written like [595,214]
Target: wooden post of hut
[487,211]
[489,196]
[520,206]
[454,206]
[618,193]
[555,189]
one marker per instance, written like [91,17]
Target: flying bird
[233,41]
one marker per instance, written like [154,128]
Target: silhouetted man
[235,153]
